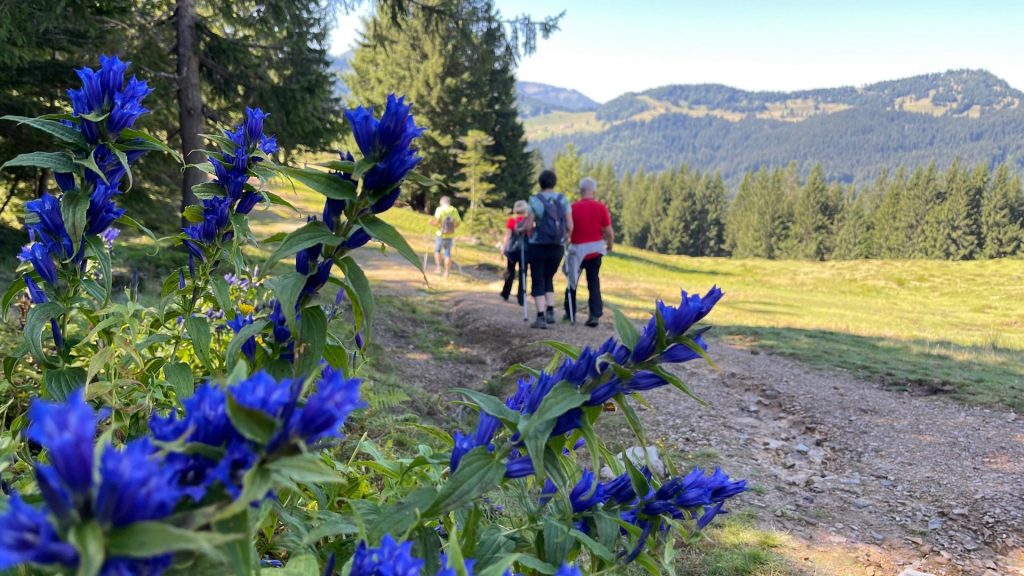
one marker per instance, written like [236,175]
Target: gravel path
[892,481]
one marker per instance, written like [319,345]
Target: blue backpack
[551,227]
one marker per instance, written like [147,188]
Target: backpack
[551,227]
[448,225]
[515,245]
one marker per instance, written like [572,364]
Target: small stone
[915,540]
[802,448]
[970,545]
[861,503]
[935,523]
[912,572]
[753,409]
[959,512]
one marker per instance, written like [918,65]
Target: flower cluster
[395,559]
[129,485]
[388,144]
[207,422]
[696,496]
[665,339]
[241,149]
[140,482]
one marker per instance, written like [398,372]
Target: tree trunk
[190,98]
[42,182]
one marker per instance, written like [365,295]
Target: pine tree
[459,77]
[1002,215]
[477,166]
[567,165]
[813,218]
[854,229]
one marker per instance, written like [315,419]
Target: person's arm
[526,226]
[568,218]
[609,237]
[508,238]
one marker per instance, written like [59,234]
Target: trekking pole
[522,279]
[570,280]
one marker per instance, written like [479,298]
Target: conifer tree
[567,166]
[854,229]
[1002,215]
[477,166]
[813,218]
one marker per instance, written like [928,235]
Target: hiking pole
[522,279]
[569,282]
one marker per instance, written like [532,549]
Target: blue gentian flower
[102,211]
[47,225]
[519,467]
[216,213]
[586,494]
[645,345]
[136,566]
[27,537]
[357,239]
[65,180]
[109,235]
[679,353]
[388,559]
[643,380]
[67,431]
[387,143]
[568,570]
[135,486]
[326,409]
[254,118]
[236,325]
[37,254]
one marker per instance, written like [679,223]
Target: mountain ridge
[853,131]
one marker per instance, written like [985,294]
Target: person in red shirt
[592,236]
[513,249]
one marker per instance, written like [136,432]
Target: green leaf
[304,565]
[491,405]
[205,190]
[399,518]
[417,178]
[625,329]
[61,382]
[636,477]
[122,159]
[96,248]
[56,161]
[134,224]
[632,419]
[198,329]
[595,547]
[148,539]
[73,208]
[567,349]
[179,376]
[536,428]
[64,133]
[286,288]
[256,425]
[16,287]
[345,166]
[90,163]
[310,341]
[675,381]
[131,139]
[241,553]
[38,317]
[87,538]
[361,294]
[222,293]
[311,234]
[387,234]
[308,469]
[276,200]
[193,213]
[235,345]
[478,472]
[330,185]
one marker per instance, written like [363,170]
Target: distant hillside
[853,132]
[536,99]
[340,64]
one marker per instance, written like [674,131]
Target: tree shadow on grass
[988,375]
[666,267]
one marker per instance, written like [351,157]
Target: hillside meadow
[927,326]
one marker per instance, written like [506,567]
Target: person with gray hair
[591,238]
[513,248]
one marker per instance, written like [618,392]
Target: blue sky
[606,48]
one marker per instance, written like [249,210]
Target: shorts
[545,261]
[445,243]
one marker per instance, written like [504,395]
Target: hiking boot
[539,323]
[504,297]
[592,322]
[549,316]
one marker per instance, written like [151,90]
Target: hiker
[447,219]
[591,238]
[549,223]
[514,250]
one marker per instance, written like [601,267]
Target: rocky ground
[866,480]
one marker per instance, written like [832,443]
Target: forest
[958,212]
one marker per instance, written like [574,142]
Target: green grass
[954,327]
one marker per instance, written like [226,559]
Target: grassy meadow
[935,326]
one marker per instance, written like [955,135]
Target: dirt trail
[885,480]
